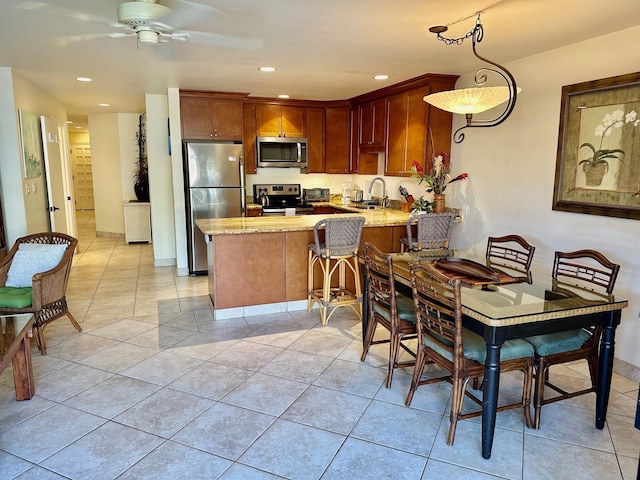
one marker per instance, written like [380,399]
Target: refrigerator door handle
[243,196]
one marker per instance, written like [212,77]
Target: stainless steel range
[280,199]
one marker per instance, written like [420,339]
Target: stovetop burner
[280,197]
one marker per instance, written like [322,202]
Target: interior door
[82,176]
[54,174]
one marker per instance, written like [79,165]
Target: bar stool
[338,252]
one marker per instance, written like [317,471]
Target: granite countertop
[238,225]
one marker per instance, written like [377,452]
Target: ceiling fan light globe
[148,37]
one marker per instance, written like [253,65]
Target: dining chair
[387,308]
[585,270]
[433,232]
[458,351]
[338,252]
[511,251]
[33,279]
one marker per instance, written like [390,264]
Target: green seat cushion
[405,306]
[475,348]
[15,297]
[558,342]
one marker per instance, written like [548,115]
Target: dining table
[517,306]
[16,332]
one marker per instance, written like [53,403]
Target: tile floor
[155,388]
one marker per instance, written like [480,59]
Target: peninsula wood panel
[296,261]
[247,269]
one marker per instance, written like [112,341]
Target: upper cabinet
[372,120]
[316,138]
[408,136]
[338,133]
[210,116]
[281,121]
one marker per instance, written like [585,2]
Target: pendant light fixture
[469,101]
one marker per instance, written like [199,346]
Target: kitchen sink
[366,207]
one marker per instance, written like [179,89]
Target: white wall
[23,214]
[160,178]
[128,154]
[512,167]
[107,176]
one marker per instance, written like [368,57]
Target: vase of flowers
[437,180]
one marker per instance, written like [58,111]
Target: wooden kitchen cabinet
[316,137]
[408,117]
[281,121]
[372,118]
[208,117]
[249,138]
[338,133]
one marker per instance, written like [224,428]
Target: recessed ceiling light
[78,126]
[381,77]
[84,79]
[283,96]
[267,69]
[69,121]
[103,105]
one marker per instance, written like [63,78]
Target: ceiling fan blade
[63,12]
[224,41]
[186,13]
[64,41]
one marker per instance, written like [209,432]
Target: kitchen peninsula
[259,264]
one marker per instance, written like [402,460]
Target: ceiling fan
[152,23]
[142,19]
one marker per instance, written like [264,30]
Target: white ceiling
[323,49]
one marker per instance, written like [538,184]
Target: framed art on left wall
[32,154]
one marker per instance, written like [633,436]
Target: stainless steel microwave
[282,152]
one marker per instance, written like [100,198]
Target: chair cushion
[475,348]
[405,306]
[558,342]
[12,297]
[32,258]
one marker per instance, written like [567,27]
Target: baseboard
[164,262]
[626,370]
[109,234]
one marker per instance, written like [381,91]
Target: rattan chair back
[511,251]
[433,231]
[341,236]
[587,269]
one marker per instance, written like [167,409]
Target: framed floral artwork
[598,159]
[31,144]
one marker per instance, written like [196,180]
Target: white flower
[632,117]
[613,119]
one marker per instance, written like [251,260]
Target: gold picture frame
[598,159]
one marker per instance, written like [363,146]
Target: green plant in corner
[597,165]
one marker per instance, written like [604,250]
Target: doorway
[82,176]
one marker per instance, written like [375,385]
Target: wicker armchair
[582,269]
[433,232]
[48,288]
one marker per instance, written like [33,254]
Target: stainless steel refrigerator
[214,182]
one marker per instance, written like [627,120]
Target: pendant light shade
[469,101]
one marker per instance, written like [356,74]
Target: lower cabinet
[137,221]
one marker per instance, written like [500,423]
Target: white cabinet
[137,221]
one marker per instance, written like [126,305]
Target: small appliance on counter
[357,196]
[280,199]
[310,195]
[346,193]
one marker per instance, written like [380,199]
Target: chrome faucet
[384,190]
